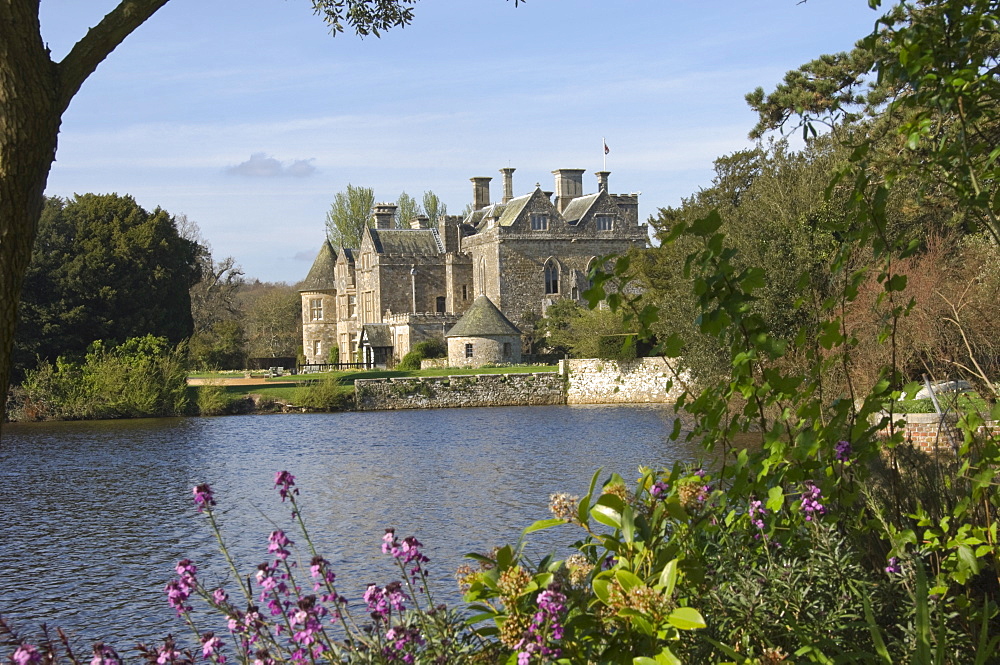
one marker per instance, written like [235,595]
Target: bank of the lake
[95,514]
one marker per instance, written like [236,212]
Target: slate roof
[320,277]
[376,334]
[483,319]
[405,241]
[513,209]
[578,207]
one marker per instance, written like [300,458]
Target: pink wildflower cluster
[203,497]
[810,502]
[382,601]
[406,552]
[545,628]
[400,641]
[285,481]
[179,590]
[756,511]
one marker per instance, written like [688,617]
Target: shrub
[421,351]
[143,377]
[326,394]
[212,399]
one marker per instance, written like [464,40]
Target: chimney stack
[602,180]
[420,222]
[480,192]
[508,184]
[385,214]
[569,185]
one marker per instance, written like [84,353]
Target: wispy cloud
[262,165]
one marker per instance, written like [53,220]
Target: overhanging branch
[99,42]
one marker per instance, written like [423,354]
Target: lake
[94,515]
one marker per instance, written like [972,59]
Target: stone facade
[484,350]
[523,253]
[542,388]
[596,381]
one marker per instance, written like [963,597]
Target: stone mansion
[404,286]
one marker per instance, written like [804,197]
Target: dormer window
[539,222]
[605,222]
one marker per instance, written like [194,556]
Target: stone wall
[596,381]
[537,389]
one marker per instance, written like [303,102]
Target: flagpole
[604,149]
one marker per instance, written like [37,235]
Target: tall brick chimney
[384,215]
[480,192]
[508,183]
[602,180]
[569,185]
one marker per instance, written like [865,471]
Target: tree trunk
[30,115]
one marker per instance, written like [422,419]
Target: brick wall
[541,388]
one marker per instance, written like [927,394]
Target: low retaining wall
[639,381]
[926,432]
[535,389]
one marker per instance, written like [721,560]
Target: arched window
[551,276]
[440,304]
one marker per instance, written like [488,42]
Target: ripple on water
[95,515]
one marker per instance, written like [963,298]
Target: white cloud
[262,165]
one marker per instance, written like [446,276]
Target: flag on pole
[606,148]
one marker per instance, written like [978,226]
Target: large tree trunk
[29,123]
[34,93]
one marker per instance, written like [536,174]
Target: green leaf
[543,524]
[627,579]
[602,589]
[686,618]
[668,578]
[606,515]
[706,226]
[775,498]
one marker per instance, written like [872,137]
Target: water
[93,516]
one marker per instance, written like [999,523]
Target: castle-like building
[404,286]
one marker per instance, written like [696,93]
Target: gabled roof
[579,207]
[376,334]
[320,277]
[405,241]
[348,253]
[513,210]
[483,319]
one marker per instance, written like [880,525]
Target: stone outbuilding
[483,336]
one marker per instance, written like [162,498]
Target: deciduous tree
[349,214]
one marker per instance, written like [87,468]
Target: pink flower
[285,481]
[203,497]
[26,654]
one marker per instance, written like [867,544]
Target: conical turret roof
[321,276]
[483,319]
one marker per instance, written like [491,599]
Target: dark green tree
[103,268]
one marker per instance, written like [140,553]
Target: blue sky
[248,117]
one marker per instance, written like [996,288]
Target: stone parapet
[638,381]
[534,389]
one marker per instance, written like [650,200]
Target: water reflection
[94,515]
